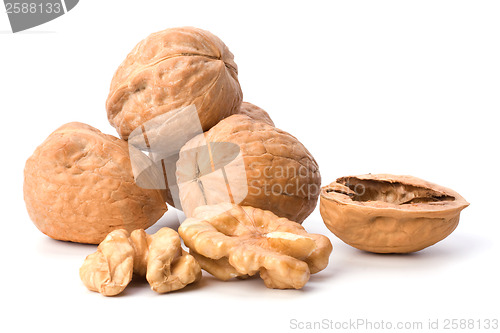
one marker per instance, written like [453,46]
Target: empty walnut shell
[79,186]
[389,214]
[170,70]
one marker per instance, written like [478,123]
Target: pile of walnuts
[188,139]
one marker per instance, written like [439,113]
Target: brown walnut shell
[170,70]
[248,162]
[256,113]
[247,109]
[390,214]
[79,186]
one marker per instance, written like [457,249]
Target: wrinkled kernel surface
[234,241]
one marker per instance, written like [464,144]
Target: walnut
[233,241]
[247,162]
[170,70]
[79,186]
[255,113]
[158,257]
[390,214]
[165,135]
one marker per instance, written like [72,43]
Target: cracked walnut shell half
[234,241]
[170,70]
[79,186]
[390,214]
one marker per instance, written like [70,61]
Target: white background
[403,87]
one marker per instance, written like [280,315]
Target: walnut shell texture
[385,213]
[271,168]
[79,186]
[173,69]
[247,109]
[256,113]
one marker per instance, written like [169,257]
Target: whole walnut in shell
[390,214]
[79,186]
[170,70]
[256,113]
[248,162]
[170,142]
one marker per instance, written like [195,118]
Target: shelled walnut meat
[79,186]
[158,257]
[390,214]
[233,241]
[170,70]
[248,162]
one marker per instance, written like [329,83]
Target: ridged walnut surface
[79,186]
[390,214]
[281,174]
[247,109]
[256,113]
[171,69]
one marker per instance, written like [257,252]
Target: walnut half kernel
[158,257]
[234,241]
